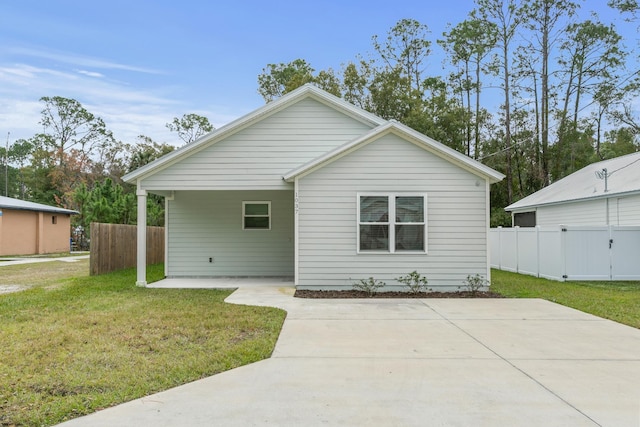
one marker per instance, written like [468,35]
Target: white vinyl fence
[568,252]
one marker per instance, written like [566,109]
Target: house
[603,193]
[314,188]
[28,228]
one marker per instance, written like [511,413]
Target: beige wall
[29,232]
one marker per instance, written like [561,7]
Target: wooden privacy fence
[114,247]
[568,252]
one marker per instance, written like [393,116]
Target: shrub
[414,282]
[475,283]
[370,286]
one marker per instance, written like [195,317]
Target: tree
[405,50]
[469,43]
[190,127]
[543,18]
[279,79]
[146,151]
[590,58]
[68,125]
[507,18]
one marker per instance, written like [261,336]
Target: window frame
[244,214]
[392,223]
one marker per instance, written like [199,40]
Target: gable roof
[303,92]
[22,205]
[623,177]
[407,133]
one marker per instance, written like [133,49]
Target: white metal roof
[17,204]
[623,177]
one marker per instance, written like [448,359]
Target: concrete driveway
[428,362]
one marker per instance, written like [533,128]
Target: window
[392,223]
[524,219]
[54,219]
[256,215]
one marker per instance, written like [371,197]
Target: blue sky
[137,63]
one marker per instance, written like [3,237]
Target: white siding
[627,210]
[204,224]
[622,211]
[258,156]
[456,217]
[590,212]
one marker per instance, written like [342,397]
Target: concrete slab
[221,282]
[352,392]
[599,388]
[32,260]
[553,339]
[506,309]
[414,363]
[402,339]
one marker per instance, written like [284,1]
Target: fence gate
[625,263]
[587,254]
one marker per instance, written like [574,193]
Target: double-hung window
[256,215]
[392,223]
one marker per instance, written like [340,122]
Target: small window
[256,215]
[54,219]
[392,223]
[524,219]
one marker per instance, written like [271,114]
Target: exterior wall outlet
[211,260]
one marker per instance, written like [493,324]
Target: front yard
[79,344]
[619,301]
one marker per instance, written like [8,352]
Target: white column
[142,238]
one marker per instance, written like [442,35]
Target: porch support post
[141,268]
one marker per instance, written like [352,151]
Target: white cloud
[77,60]
[128,111]
[90,73]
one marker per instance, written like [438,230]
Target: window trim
[256,202]
[391,222]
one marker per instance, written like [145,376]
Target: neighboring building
[28,228]
[603,193]
[312,187]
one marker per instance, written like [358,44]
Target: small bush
[415,282]
[475,283]
[370,286]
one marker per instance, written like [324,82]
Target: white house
[603,193]
[314,188]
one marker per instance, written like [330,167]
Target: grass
[85,343]
[618,301]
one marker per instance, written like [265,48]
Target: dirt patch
[7,289]
[302,293]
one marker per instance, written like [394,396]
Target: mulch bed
[303,293]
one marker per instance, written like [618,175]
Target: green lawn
[92,342]
[619,301]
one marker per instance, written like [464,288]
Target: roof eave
[512,208]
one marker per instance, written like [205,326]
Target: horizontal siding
[590,212]
[258,156]
[627,210]
[209,224]
[456,218]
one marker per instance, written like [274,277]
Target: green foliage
[414,282]
[190,127]
[370,286]
[500,218]
[475,284]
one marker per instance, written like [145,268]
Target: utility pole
[6,168]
